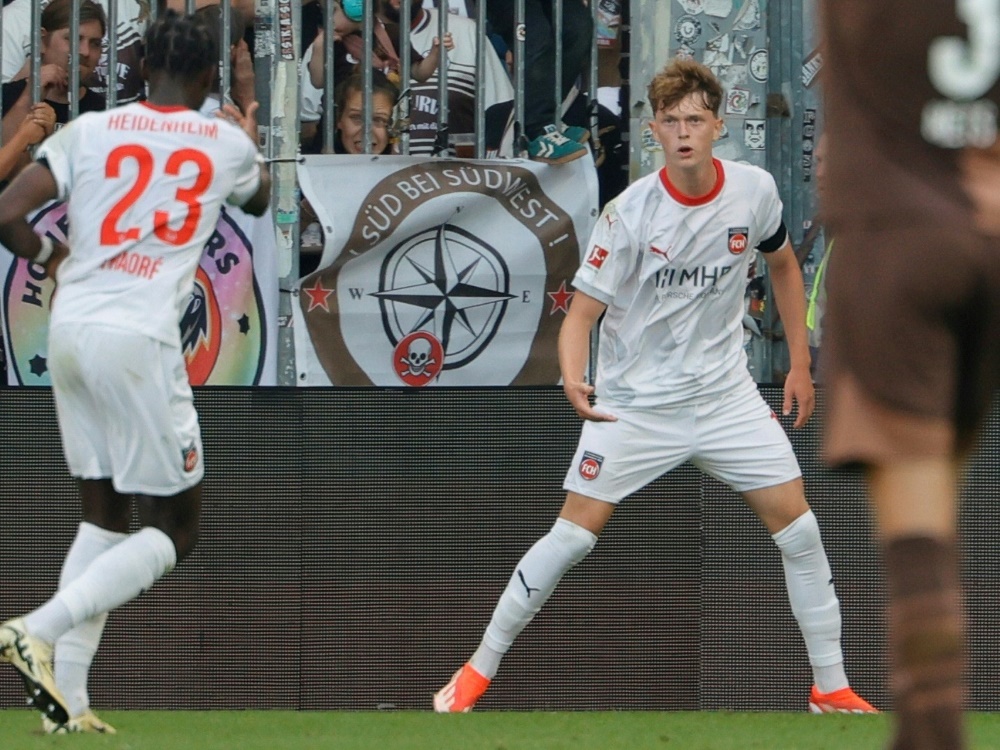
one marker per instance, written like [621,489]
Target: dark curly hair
[180,45]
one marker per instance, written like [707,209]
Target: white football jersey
[673,272]
[144,186]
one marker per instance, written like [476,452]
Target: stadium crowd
[395,128]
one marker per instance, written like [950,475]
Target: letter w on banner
[439,272]
[228,330]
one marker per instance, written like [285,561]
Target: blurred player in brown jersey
[913,324]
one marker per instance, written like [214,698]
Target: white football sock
[116,576]
[75,650]
[533,581]
[813,599]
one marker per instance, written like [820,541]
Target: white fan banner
[440,272]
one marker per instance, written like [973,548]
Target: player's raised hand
[247,121]
[578,395]
[799,390]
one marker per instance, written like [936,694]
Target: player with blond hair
[665,274]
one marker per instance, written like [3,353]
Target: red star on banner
[318,295]
[560,298]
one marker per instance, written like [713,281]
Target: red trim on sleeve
[699,200]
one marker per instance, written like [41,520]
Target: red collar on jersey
[166,107]
[699,200]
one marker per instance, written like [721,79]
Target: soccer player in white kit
[144,185]
[667,266]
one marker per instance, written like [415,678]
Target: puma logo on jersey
[597,256]
[669,254]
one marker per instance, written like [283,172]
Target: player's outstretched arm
[574,353]
[257,204]
[247,121]
[790,297]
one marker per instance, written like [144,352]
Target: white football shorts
[735,438]
[126,410]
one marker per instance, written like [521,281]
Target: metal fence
[760,49]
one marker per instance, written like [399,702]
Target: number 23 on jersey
[114,230]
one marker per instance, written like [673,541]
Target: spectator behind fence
[348,55]
[56,51]
[350,114]
[349,139]
[463,81]
[348,23]
[16,37]
[549,139]
[242,91]
[132,19]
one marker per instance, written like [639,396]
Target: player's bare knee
[574,540]
[178,517]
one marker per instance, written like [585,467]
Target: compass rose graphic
[449,283]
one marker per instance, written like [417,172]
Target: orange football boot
[462,691]
[843,701]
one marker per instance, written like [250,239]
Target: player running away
[144,185]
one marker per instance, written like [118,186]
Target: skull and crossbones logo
[418,358]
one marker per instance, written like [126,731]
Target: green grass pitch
[410,730]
